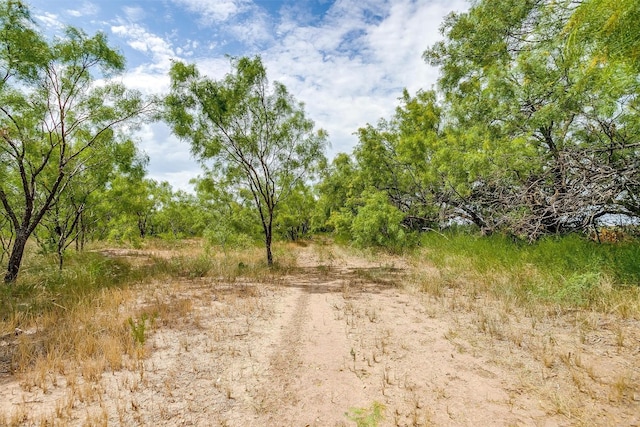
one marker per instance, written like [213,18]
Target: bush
[379,223]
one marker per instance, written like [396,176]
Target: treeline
[533,129]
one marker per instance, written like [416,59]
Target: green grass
[367,417]
[569,271]
[42,287]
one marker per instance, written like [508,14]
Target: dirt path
[344,337]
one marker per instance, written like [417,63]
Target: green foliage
[607,30]
[367,417]
[528,120]
[580,289]
[253,136]
[134,207]
[226,236]
[378,223]
[570,271]
[44,287]
[231,220]
[57,126]
[180,215]
[294,215]
[138,328]
[191,267]
[79,210]
[393,158]
[398,157]
[339,186]
[23,48]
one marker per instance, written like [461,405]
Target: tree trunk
[268,245]
[83,232]
[16,257]
[60,248]
[267,227]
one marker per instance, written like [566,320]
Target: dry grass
[574,341]
[61,346]
[578,360]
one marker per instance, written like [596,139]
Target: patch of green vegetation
[571,271]
[43,287]
[138,328]
[367,417]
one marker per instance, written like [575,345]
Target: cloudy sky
[347,60]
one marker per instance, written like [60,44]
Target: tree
[608,29]
[230,217]
[178,214]
[255,135]
[339,185]
[66,222]
[293,219]
[130,206]
[378,222]
[538,140]
[53,118]
[397,157]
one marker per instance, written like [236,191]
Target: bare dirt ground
[342,337]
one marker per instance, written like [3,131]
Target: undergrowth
[568,271]
[90,309]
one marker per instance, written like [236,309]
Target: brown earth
[344,336]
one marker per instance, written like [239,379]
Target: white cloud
[133,14]
[170,158]
[241,20]
[216,11]
[351,67]
[348,67]
[398,42]
[255,30]
[159,49]
[146,81]
[86,9]
[50,20]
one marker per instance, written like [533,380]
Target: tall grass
[43,288]
[570,271]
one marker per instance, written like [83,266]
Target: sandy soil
[344,334]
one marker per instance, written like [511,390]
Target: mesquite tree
[541,136]
[247,131]
[54,119]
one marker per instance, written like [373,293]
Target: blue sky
[347,60]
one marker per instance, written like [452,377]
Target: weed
[622,387]
[138,328]
[367,417]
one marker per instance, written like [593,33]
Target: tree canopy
[251,134]
[532,129]
[55,123]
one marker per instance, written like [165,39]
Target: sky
[346,60]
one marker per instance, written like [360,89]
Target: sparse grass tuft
[367,417]
[138,328]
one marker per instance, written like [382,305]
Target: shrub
[379,223]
